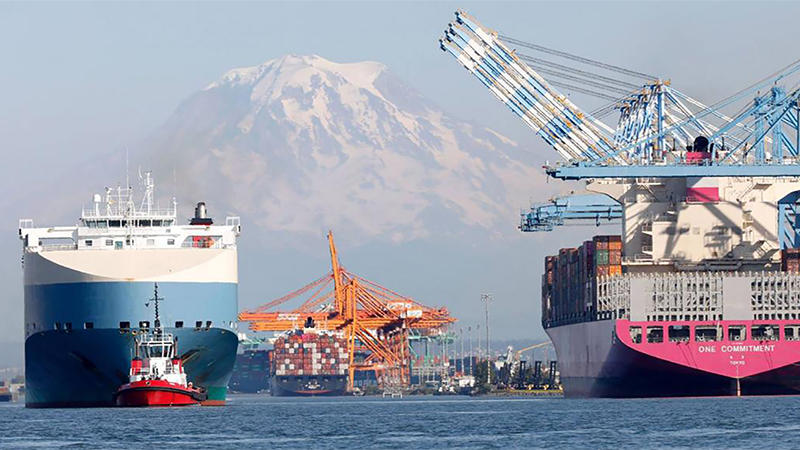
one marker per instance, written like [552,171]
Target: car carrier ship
[86,288]
[700,292]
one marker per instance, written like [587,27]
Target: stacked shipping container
[311,354]
[569,283]
[790,260]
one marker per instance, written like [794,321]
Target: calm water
[256,422]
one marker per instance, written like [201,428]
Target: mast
[156,298]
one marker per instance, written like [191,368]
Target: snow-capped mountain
[301,144]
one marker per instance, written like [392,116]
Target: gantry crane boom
[594,209]
[657,123]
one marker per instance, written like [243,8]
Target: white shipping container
[300,372]
[291,366]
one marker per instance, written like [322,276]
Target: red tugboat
[157,377]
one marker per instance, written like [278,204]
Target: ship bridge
[117,221]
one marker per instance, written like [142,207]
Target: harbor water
[263,422]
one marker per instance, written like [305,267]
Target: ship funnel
[200,211]
[201,215]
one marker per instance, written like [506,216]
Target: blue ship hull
[78,351]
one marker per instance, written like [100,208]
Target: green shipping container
[601,257]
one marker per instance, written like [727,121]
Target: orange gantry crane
[375,320]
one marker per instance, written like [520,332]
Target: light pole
[461,356]
[486,298]
[478,332]
[471,372]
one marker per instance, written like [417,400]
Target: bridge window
[198,324]
[208,324]
[636,334]
[124,325]
[144,324]
[57,325]
[765,332]
[791,332]
[88,242]
[68,326]
[707,333]
[737,332]
[88,325]
[655,334]
[678,333]
[109,242]
[170,241]
[179,324]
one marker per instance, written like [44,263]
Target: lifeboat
[156,376]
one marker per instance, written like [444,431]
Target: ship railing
[89,213]
[58,247]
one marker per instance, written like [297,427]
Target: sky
[78,80]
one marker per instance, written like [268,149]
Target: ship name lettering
[747,348]
[707,349]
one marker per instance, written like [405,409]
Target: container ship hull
[595,361]
[310,363]
[308,385]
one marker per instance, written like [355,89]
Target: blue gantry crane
[659,127]
[661,132]
[588,209]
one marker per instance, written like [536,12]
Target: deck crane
[661,133]
[375,320]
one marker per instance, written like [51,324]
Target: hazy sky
[78,80]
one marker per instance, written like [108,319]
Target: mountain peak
[300,70]
[302,144]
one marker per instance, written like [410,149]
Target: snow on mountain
[301,144]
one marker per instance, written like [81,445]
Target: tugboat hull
[157,393]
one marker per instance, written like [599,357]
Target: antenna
[156,298]
[127,168]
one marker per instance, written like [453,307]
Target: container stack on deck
[790,260]
[569,283]
[311,354]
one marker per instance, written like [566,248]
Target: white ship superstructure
[86,287]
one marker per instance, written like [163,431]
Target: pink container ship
[699,294]
[654,331]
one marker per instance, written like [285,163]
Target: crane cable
[575,71]
[581,59]
[567,76]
